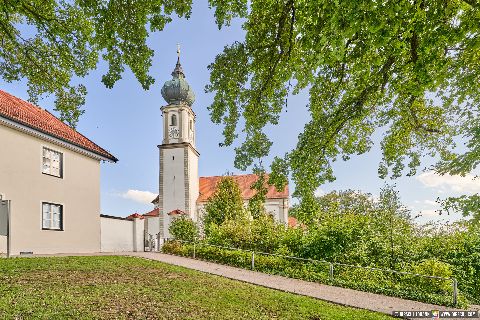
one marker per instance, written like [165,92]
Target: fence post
[455,292]
[331,271]
[253,260]
[193,249]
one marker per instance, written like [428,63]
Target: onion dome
[177,90]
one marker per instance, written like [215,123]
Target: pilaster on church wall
[194,182]
[184,128]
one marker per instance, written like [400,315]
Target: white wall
[116,235]
[138,235]
[22,182]
[3,246]
[193,182]
[152,225]
[173,184]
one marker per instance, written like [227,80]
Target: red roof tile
[153,213]
[292,222]
[176,211]
[25,113]
[208,185]
[135,215]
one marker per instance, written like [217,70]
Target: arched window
[191,124]
[173,120]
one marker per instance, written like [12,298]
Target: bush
[183,228]
[355,278]
[175,247]
[433,267]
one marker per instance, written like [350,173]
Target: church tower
[178,187]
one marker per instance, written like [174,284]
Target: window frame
[61,162]
[51,216]
[173,120]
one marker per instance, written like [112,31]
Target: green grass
[132,288]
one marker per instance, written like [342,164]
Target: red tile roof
[135,215]
[208,185]
[292,222]
[153,213]
[25,113]
[176,211]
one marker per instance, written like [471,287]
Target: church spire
[178,71]
[177,90]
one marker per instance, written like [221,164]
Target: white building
[50,175]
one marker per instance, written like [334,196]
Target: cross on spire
[178,50]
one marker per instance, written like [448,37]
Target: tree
[184,228]
[256,204]
[50,43]
[225,204]
[408,70]
[395,219]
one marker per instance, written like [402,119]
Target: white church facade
[181,190]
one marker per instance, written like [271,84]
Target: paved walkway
[347,297]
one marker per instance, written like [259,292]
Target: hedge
[404,286]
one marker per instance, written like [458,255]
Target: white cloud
[467,184]
[429,213]
[319,192]
[430,202]
[139,196]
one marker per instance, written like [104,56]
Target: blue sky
[126,121]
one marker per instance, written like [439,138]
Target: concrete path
[347,297]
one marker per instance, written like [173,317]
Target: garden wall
[3,245]
[120,234]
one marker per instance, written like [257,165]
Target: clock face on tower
[173,132]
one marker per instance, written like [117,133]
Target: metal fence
[330,264]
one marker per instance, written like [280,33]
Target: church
[181,190]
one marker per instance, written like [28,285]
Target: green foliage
[256,204]
[458,245]
[262,234]
[413,50]
[356,229]
[50,43]
[226,203]
[183,228]
[433,267]
[352,227]
[466,205]
[405,286]
[366,66]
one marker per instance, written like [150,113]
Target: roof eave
[25,127]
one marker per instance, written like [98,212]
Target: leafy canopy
[407,70]
[50,43]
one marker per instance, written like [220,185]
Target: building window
[52,163]
[173,120]
[191,125]
[52,216]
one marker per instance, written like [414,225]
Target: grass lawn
[132,288]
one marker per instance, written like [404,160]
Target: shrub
[232,233]
[433,267]
[175,247]
[183,228]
